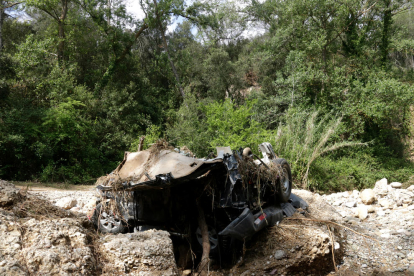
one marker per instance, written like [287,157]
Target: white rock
[396,185]
[362,212]
[75,209]
[351,204]
[381,186]
[411,188]
[368,196]
[370,209]
[381,213]
[66,203]
[355,193]
[384,203]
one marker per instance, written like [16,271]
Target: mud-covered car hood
[147,168]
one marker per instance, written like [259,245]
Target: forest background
[327,83]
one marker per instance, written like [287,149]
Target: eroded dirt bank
[48,233]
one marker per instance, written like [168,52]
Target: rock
[381,213]
[351,204]
[396,185]
[410,269]
[90,205]
[411,188]
[9,194]
[70,246]
[279,254]
[66,203]
[362,212]
[355,194]
[370,209]
[384,203]
[140,253]
[381,187]
[368,196]
[186,272]
[75,209]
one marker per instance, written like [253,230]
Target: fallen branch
[333,248]
[205,258]
[337,224]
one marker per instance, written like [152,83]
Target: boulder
[396,185]
[411,188]
[9,194]
[381,187]
[66,203]
[57,247]
[141,253]
[362,212]
[368,196]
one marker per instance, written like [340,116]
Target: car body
[162,188]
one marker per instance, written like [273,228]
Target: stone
[381,187]
[186,272]
[66,203]
[396,185]
[70,246]
[279,254]
[362,212]
[141,253]
[75,209]
[370,209]
[411,188]
[351,204]
[381,213]
[384,203]
[9,194]
[410,269]
[355,194]
[368,196]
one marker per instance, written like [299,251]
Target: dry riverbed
[372,234]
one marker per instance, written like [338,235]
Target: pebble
[279,254]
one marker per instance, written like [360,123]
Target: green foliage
[79,85]
[204,126]
[305,137]
[233,126]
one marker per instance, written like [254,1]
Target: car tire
[108,221]
[284,187]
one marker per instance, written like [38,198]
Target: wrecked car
[236,194]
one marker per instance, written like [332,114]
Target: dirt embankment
[369,233]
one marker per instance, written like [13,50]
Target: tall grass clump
[305,136]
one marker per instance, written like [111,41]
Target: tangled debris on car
[211,203]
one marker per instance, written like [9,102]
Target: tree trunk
[1,25]
[205,258]
[61,25]
[162,29]
[385,35]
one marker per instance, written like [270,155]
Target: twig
[333,248]
[331,222]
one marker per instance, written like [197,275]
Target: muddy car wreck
[208,206]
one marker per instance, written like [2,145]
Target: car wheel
[106,221]
[212,236]
[284,187]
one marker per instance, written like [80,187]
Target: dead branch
[141,143]
[333,248]
[337,224]
[205,258]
